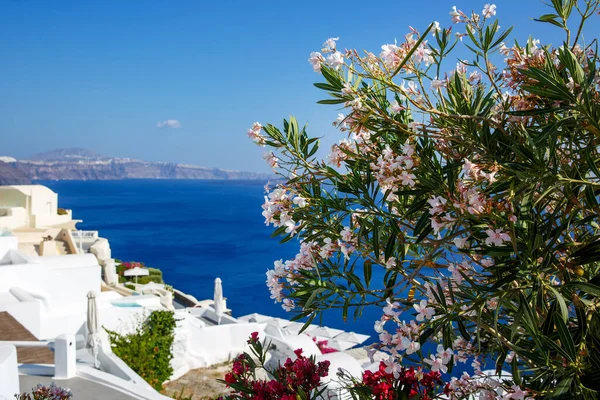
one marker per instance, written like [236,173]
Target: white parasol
[93,339]
[137,271]
[218,300]
[324,332]
[352,337]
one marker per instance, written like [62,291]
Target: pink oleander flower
[300,201]
[316,60]
[407,179]
[470,169]
[389,55]
[340,122]
[330,45]
[456,15]
[410,346]
[379,325]
[390,263]
[437,204]
[270,158]
[438,84]
[335,60]
[516,394]
[288,304]
[255,135]
[388,310]
[460,243]
[437,225]
[393,367]
[496,237]
[423,312]
[445,355]
[475,76]
[436,364]
[423,54]
[347,234]
[487,262]
[396,107]
[347,89]
[489,10]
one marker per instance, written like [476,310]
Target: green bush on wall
[142,280]
[148,351]
[155,272]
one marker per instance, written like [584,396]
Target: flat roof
[28,189]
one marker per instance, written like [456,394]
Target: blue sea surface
[194,231]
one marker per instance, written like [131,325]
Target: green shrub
[148,351]
[142,280]
[155,272]
[130,286]
[62,211]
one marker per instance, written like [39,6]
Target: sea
[194,231]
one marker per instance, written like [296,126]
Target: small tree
[471,189]
[148,350]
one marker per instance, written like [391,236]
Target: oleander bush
[295,379]
[463,200]
[148,350]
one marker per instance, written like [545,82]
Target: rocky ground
[199,384]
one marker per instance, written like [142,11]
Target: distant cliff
[82,164]
[13,173]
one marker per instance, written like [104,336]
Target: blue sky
[102,74]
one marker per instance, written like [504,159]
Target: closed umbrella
[218,300]
[93,339]
[137,271]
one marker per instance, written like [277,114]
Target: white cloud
[169,123]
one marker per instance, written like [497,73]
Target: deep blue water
[194,231]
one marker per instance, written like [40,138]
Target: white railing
[65,349]
[84,234]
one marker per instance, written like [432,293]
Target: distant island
[83,164]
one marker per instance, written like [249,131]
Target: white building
[31,213]
[32,206]
[41,228]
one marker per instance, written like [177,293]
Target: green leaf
[368,271]
[564,311]
[326,86]
[312,296]
[550,18]
[566,339]
[412,51]
[563,388]
[308,322]
[586,287]
[331,101]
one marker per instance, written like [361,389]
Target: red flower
[230,378]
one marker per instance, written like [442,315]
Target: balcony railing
[84,234]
